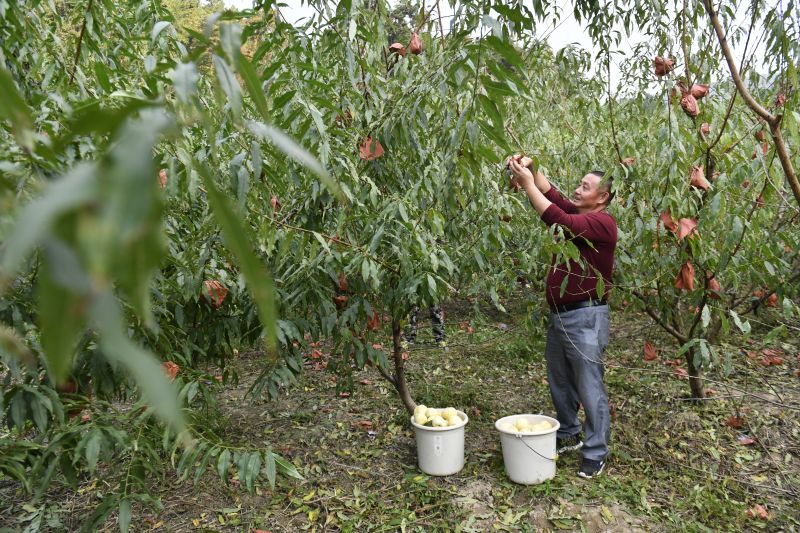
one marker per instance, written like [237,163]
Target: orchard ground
[676,465]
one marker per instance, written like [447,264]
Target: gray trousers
[574,352]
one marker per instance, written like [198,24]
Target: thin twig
[80,42]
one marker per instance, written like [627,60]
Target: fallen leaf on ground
[744,440]
[649,352]
[771,360]
[734,421]
[758,511]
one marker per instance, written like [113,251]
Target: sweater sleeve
[557,198]
[594,227]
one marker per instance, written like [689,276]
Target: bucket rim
[461,414]
[553,422]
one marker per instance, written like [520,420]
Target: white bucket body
[440,451]
[529,457]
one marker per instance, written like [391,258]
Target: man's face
[588,196]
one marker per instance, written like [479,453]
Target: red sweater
[599,229]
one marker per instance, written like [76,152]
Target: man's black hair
[606,183]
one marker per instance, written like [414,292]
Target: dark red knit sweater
[598,228]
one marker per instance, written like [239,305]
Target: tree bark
[400,383]
[774,121]
[696,383]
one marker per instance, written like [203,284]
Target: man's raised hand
[521,176]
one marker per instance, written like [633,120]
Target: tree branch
[737,79]
[660,321]
[611,109]
[774,121]
[80,42]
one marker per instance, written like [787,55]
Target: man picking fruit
[578,329]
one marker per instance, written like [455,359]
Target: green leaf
[101,73]
[292,149]
[491,109]
[159,26]
[743,327]
[75,189]
[92,452]
[223,463]
[184,79]
[38,411]
[601,286]
[203,465]
[149,63]
[322,241]
[14,109]
[130,243]
[253,85]
[97,119]
[141,364]
[124,515]
[285,467]
[505,49]
[61,316]
[253,469]
[238,240]
[270,464]
[706,316]
[229,84]
[230,38]
[316,116]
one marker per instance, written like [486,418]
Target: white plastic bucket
[530,458]
[440,450]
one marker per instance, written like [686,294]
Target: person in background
[578,330]
[437,326]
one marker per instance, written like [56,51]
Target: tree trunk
[696,383]
[399,369]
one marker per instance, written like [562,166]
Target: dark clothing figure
[437,325]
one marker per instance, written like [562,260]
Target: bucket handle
[553,459]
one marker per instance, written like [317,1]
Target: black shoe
[591,468]
[569,444]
